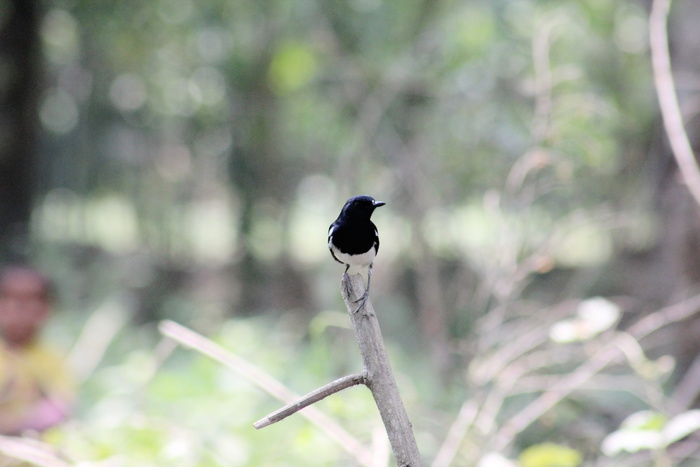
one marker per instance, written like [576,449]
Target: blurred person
[36,389]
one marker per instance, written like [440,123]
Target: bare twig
[665,316]
[377,376]
[311,398]
[688,389]
[98,332]
[481,373]
[455,435]
[541,40]
[380,376]
[593,365]
[267,383]
[32,451]
[668,100]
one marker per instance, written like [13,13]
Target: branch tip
[311,398]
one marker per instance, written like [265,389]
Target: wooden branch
[32,451]
[596,363]
[668,101]
[188,338]
[97,334]
[311,398]
[455,435]
[377,375]
[380,377]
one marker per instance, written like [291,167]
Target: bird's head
[361,206]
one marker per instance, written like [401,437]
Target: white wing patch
[331,229]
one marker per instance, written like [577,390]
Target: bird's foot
[362,300]
[345,285]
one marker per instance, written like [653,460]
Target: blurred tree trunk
[18,92]
[264,182]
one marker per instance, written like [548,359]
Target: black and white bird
[353,239]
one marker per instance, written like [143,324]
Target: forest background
[540,253]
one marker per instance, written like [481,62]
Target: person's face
[24,305]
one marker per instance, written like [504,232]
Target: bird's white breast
[358,263]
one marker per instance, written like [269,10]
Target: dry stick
[448,450]
[311,398]
[565,386]
[267,383]
[470,411]
[688,389]
[668,101]
[97,334]
[380,377]
[31,451]
[377,376]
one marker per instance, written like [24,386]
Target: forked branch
[380,376]
[377,376]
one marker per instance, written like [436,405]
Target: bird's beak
[378,203]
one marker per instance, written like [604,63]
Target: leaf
[292,67]
[598,314]
[640,431]
[631,441]
[593,316]
[550,455]
[681,426]
[494,459]
[645,420]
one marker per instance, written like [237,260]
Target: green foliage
[292,67]
[650,430]
[150,403]
[196,152]
[183,409]
[550,455]
[181,94]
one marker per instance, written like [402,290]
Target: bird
[353,239]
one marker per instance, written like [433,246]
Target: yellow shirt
[29,375]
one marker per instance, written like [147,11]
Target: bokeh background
[182,160]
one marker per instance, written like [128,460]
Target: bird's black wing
[353,238]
